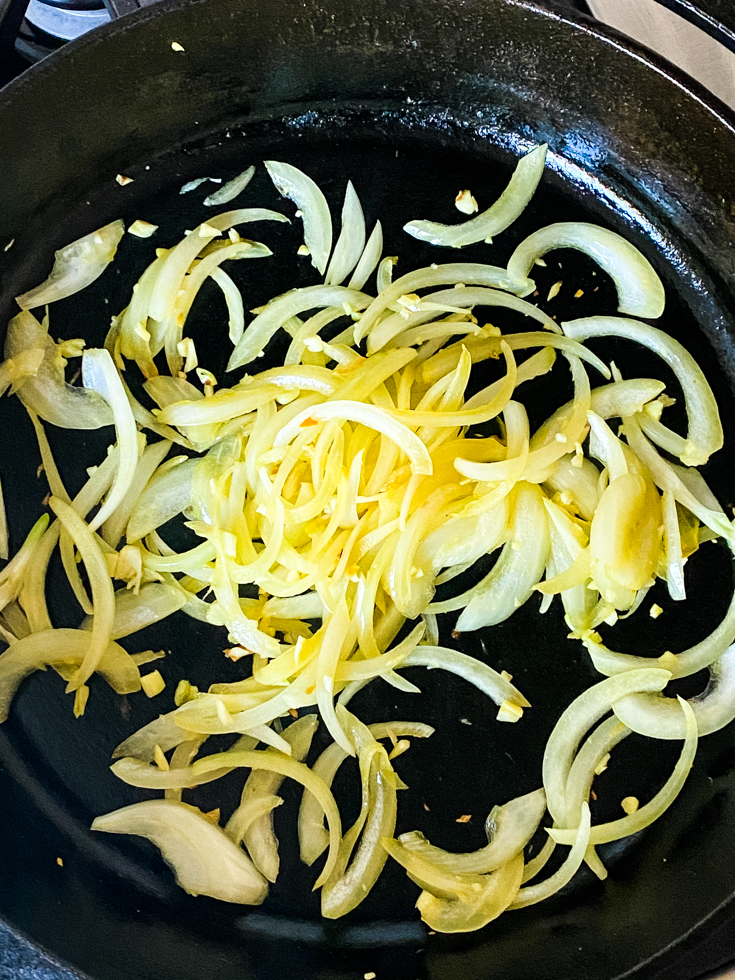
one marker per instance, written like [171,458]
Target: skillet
[411,102]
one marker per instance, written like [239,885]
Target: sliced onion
[233,298]
[164,497]
[62,646]
[645,816]
[640,291]
[294,184]
[351,241]
[345,889]
[100,374]
[487,680]
[470,273]
[258,836]
[133,612]
[519,568]
[463,298]
[313,838]
[103,597]
[704,436]
[201,855]
[229,191]
[532,894]
[221,762]
[260,330]
[576,721]
[510,827]
[47,393]
[374,418]
[148,462]
[369,258]
[660,717]
[668,477]
[509,206]
[76,266]
[501,888]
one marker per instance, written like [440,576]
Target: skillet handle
[714,17]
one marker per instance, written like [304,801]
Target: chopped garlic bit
[465,202]
[465,818]
[213,816]
[400,748]
[509,712]
[122,180]
[554,291]
[303,250]
[175,46]
[9,245]
[655,611]
[184,692]
[580,292]
[142,229]
[188,351]
[153,683]
[60,862]
[369,976]
[629,804]
[207,231]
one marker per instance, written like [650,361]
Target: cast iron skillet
[412,101]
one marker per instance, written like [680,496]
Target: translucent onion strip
[704,436]
[76,266]
[351,241]
[640,291]
[645,816]
[294,184]
[203,858]
[509,206]
[100,374]
[660,717]
[576,721]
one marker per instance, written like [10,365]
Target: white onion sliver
[76,266]
[294,184]
[509,206]
[369,258]
[640,291]
[202,856]
[369,415]
[100,374]
[229,191]
[705,434]
[351,241]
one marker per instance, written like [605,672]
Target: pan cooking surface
[56,777]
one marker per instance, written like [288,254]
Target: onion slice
[294,184]
[100,374]
[645,816]
[640,291]
[229,191]
[76,266]
[509,206]
[659,717]
[705,434]
[576,721]
[510,827]
[203,858]
[351,241]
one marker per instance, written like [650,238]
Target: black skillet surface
[412,104]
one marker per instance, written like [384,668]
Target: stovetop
[29,31]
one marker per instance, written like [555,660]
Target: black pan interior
[113,909]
